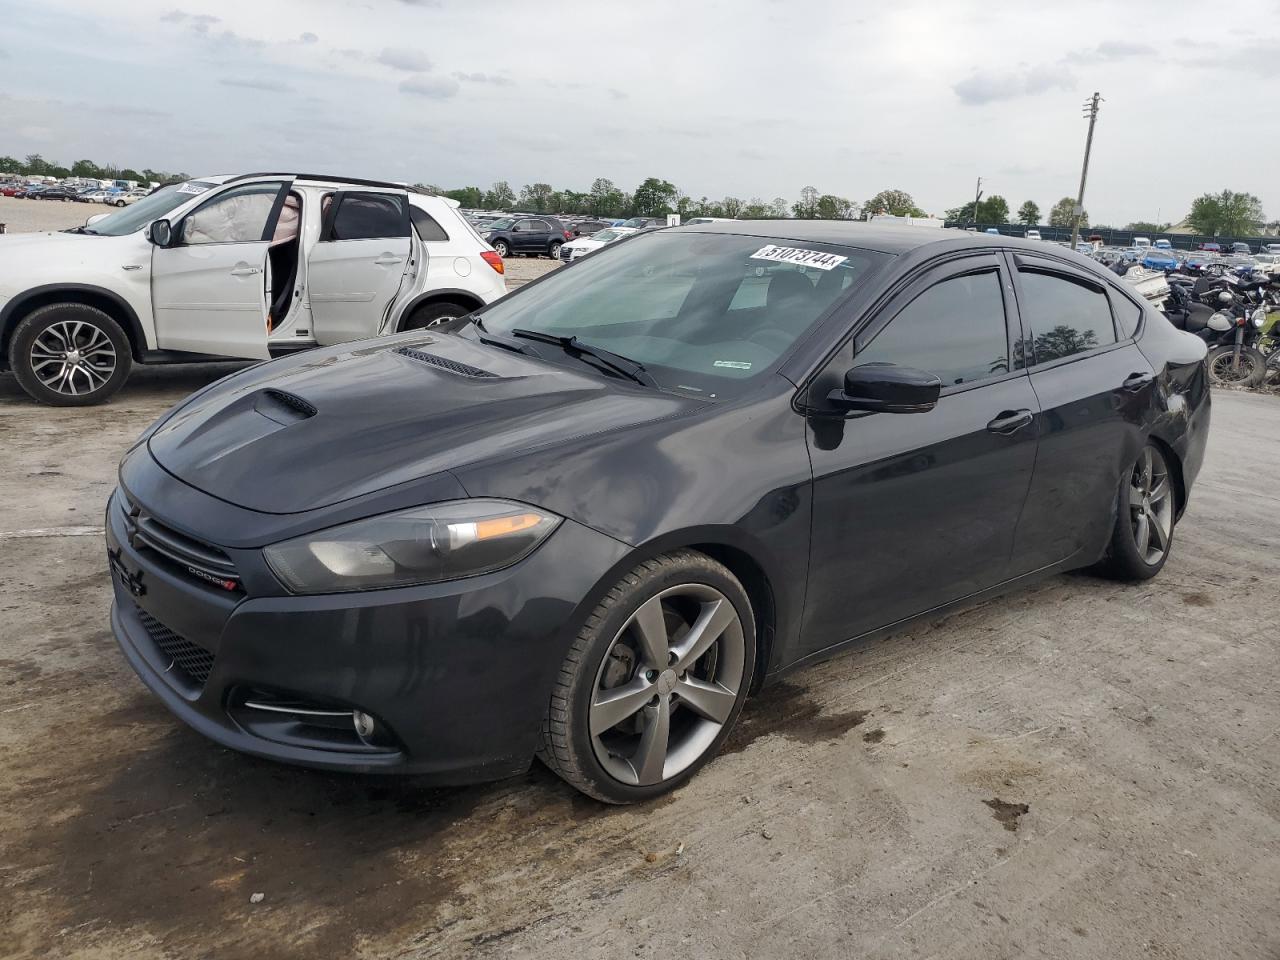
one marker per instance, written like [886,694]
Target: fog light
[364,724]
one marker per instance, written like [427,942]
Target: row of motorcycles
[1229,312]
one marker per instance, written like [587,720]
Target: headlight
[1260,317]
[442,541]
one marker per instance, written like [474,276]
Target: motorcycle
[1232,333]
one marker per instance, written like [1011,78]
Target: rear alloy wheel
[554,250]
[501,249]
[1249,371]
[1145,515]
[654,681]
[70,355]
[434,315]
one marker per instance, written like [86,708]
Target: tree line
[1212,214]
[34,165]
[655,197]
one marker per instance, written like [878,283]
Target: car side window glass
[525,226]
[1128,315]
[426,225]
[955,330]
[1064,316]
[369,216]
[238,215]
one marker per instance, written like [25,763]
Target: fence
[1119,238]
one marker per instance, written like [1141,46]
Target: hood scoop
[283,407]
[453,366]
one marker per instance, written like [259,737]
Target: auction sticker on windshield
[802,258]
[193,188]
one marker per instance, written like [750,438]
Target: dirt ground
[1081,770]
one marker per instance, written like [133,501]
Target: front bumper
[457,675]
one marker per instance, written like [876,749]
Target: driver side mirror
[160,233]
[887,388]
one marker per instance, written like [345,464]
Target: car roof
[857,233]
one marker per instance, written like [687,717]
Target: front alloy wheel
[70,354]
[654,680]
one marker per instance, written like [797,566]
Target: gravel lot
[1079,770]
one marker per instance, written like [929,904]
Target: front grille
[453,366]
[196,558]
[192,661]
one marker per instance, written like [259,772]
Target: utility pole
[1090,111]
[977,195]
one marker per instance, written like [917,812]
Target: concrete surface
[1081,770]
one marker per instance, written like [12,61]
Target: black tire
[1252,368]
[1124,559]
[435,315]
[568,747]
[502,248]
[553,251]
[40,322]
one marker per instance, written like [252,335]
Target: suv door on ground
[357,267]
[952,486]
[208,286]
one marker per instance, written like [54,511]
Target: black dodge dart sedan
[589,523]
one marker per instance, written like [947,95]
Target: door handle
[1010,421]
[1136,381]
[244,270]
[387,260]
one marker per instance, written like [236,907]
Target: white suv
[224,267]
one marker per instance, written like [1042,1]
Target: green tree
[756,209]
[994,209]
[85,168]
[500,196]
[1063,211]
[536,197]
[778,209]
[606,199]
[730,207]
[1226,213]
[470,197]
[654,198]
[10,165]
[806,208]
[897,203]
[1146,226]
[35,165]
[1029,213]
[831,207]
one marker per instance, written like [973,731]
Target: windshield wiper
[81,230]
[576,348]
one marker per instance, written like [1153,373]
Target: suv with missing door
[230,267]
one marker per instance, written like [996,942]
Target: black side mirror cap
[160,233]
[887,388]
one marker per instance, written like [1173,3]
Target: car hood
[310,431]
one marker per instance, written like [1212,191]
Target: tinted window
[530,226]
[238,215]
[954,330]
[1064,316]
[1128,315]
[367,216]
[426,224]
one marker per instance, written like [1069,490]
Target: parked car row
[68,193]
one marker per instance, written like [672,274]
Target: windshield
[702,312]
[606,235]
[151,207]
[503,224]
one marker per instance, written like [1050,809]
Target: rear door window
[369,216]
[1064,315]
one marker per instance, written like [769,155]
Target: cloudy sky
[742,97]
